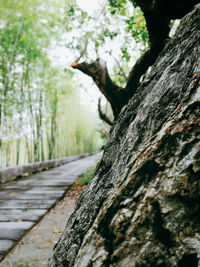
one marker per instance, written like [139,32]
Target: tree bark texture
[142,207]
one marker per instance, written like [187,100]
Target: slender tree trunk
[28,150]
[33,121]
[28,141]
[42,158]
[53,129]
[17,151]
[20,108]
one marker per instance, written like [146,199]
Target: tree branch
[84,50]
[158,14]
[119,66]
[102,115]
[158,29]
[171,9]
[99,73]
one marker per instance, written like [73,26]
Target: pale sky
[60,56]
[89,5]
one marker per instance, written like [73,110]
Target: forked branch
[99,73]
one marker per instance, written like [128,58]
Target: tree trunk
[142,207]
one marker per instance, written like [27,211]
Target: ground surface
[36,246]
[24,202]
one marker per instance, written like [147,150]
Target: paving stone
[27,195]
[6,245]
[26,204]
[15,225]
[53,183]
[29,188]
[14,230]
[48,190]
[23,214]
[14,186]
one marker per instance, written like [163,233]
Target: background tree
[132,20]
[34,117]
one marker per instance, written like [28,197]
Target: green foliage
[40,112]
[125,54]
[136,25]
[87,176]
[37,100]
[117,33]
[118,6]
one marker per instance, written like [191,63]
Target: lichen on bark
[142,208]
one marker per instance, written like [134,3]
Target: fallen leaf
[49,241]
[57,231]
[42,247]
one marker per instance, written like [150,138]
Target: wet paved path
[24,202]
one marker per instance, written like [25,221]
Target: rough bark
[142,207]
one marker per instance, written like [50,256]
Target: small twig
[119,66]
[102,115]
[84,50]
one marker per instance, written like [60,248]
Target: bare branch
[84,50]
[102,115]
[99,73]
[119,66]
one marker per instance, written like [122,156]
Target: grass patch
[86,177]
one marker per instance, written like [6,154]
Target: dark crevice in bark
[104,231]
[195,175]
[146,173]
[111,239]
[189,260]
[161,234]
[149,170]
[65,263]
[125,123]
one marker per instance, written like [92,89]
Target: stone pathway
[36,246]
[24,202]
